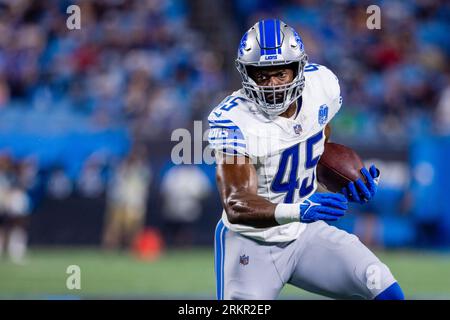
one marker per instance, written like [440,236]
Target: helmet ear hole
[251,70]
[294,67]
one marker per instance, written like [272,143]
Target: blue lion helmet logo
[243,44]
[298,39]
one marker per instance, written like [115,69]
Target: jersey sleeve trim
[225,136]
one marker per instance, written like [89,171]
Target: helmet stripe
[261,37]
[277,25]
[269,36]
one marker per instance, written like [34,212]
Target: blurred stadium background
[86,118]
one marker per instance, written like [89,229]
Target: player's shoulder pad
[327,79]
[232,107]
[325,84]
[226,125]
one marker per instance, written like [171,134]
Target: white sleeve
[225,135]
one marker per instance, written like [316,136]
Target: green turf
[180,274]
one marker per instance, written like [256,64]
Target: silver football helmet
[269,43]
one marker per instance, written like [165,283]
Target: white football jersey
[285,151]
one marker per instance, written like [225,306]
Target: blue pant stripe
[219,245]
[217,256]
[224,231]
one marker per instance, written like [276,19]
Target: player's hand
[323,206]
[358,191]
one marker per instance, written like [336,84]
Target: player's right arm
[237,183]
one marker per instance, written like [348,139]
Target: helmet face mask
[272,43]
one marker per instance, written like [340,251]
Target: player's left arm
[327,132]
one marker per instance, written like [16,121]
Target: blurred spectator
[137,60]
[59,184]
[443,112]
[127,202]
[14,210]
[92,179]
[183,190]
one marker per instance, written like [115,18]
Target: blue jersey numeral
[311,67]
[310,163]
[278,185]
[229,103]
[292,155]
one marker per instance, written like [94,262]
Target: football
[337,166]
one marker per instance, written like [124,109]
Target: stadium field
[180,274]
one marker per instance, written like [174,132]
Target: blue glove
[358,191]
[323,206]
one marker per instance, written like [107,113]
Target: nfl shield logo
[297,129]
[323,114]
[243,260]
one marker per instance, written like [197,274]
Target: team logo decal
[243,44]
[243,260]
[323,114]
[298,129]
[298,39]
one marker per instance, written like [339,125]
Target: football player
[268,137]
